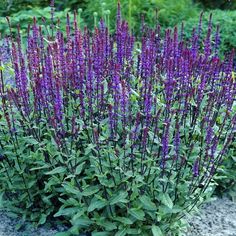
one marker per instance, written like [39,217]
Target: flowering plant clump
[111,134]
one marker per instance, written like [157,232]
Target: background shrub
[222,4]
[9,7]
[25,17]
[167,13]
[227,22]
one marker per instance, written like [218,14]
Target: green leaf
[137,213]
[70,177]
[79,168]
[90,191]
[43,219]
[121,197]
[63,234]
[166,200]
[121,232]
[96,204]
[109,226]
[147,203]
[124,220]
[89,149]
[82,222]
[71,189]
[46,166]
[134,231]
[31,140]
[101,234]
[70,211]
[57,170]
[156,231]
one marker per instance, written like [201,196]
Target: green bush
[167,13]
[8,7]
[25,17]
[227,22]
[222,4]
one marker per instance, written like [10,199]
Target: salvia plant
[111,134]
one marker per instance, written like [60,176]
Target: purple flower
[149,97]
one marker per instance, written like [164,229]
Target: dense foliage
[221,4]
[167,13]
[24,19]
[227,23]
[8,7]
[110,134]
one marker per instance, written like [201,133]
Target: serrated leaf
[147,203]
[101,234]
[109,226]
[96,204]
[124,220]
[89,148]
[57,170]
[43,219]
[31,140]
[121,197]
[40,167]
[133,231]
[69,177]
[121,232]
[79,168]
[166,200]
[90,191]
[82,222]
[71,189]
[156,231]
[137,213]
[69,211]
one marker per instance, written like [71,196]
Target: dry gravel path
[217,218]
[8,228]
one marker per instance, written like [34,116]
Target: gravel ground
[8,228]
[217,218]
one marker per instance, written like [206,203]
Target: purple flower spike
[196,168]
